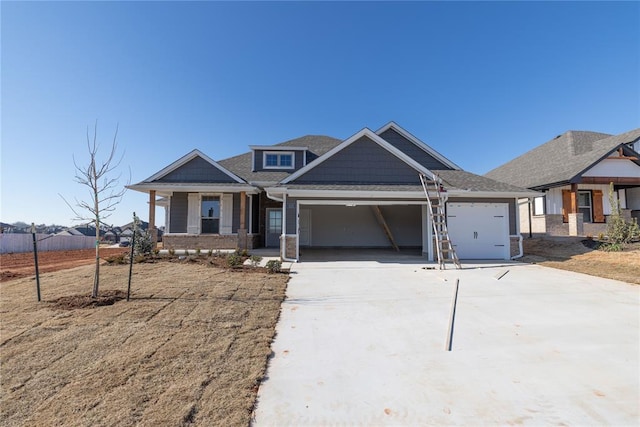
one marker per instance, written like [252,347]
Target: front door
[274,228]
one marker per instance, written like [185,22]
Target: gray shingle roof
[241,165]
[354,187]
[452,180]
[463,180]
[560,160]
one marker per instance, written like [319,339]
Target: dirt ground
[189,348]
[13,266]
[570,253]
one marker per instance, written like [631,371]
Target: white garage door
[479,230]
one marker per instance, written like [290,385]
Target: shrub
[198,251]
[118,259]
[172,251]
[611,247]
[255,260]
[143,244]
[618,229]
[274,266]
[210,252]
[234,260]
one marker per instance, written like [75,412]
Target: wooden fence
[18,242]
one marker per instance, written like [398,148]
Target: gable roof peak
[374,138]
[418,143]
[188,157]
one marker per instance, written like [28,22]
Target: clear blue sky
[481,82]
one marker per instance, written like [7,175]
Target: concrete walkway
[363,343]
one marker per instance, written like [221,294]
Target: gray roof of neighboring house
[241,165]
[560,160]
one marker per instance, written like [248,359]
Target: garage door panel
[479,230]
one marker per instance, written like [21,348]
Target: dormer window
[278,160]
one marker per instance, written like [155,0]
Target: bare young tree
[104,191]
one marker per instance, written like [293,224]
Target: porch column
[242,231]
[574,199]
[152,218]
[576,219]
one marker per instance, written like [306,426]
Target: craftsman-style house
[323,192]
[573,172]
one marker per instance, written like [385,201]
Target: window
[210,215]
[584,205]
[284,160]
[538,205]
[274,224]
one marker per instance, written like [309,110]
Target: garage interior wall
[357,226]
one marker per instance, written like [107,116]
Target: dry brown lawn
[571,254]
[190,348]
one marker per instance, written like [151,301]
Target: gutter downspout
[518,230]
[529,201]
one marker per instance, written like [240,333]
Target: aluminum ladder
[444,248]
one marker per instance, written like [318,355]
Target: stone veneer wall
[593,230]
[555,226]
[291,241]
[514,247]
[203,241]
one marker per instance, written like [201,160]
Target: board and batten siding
[291,226]
[411,150]
[184,213]
[237,214]
[362,162]
[197,170]
[178,210]
[614,167]
[554,197]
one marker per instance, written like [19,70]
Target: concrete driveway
[363,343]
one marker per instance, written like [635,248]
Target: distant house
[573,171]
[144,225]
[110,236]
[7,228]
[322,192]
[73,232]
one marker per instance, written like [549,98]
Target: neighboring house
[74,232]
[322,192]
[574,171]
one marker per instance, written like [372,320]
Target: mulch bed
[73,302]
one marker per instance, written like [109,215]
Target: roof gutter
[145,187]
[494,194]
